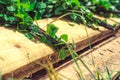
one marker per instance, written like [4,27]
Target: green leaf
[118,72]
[25,4]
[1,15]
[6,25]
[59,10]
[19,15]
[29,36]
[51,30]
[49,9]
[74,17]
[32,4]
[2,2]
[48,15]
[64,37]
[41,5]
[27,18]
[77,2]
[11,19]
[37,15]
[34,29]
[60,43]
[62,54]
[11,8]
[52,1]
[6,17]
[42,11]
[42,38]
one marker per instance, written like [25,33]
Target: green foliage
[51,30]
[107,8]
[64,37]
[22,13]
[29,36]
[119,72]
[62,54]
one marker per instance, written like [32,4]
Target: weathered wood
[105,53]
[19,57]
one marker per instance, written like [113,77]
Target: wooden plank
[106,53]
[19,56]
[117,20]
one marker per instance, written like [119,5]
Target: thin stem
[52,69]
[74,59]
[84,65]
[58,18]
[89,43]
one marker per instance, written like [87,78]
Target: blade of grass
[47,69]
[109,76]
[82,61]
[74,59]
[50,65]
[78,74]
[89,43]
[84,65]
[97,75]
[49,73]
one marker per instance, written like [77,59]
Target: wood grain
[19,56]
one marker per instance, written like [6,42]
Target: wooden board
[19,56]
[105,53]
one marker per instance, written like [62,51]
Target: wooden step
[19,56]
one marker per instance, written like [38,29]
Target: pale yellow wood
[77,32]
[16,51]
[117,20]
[106,53]
[111,21]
